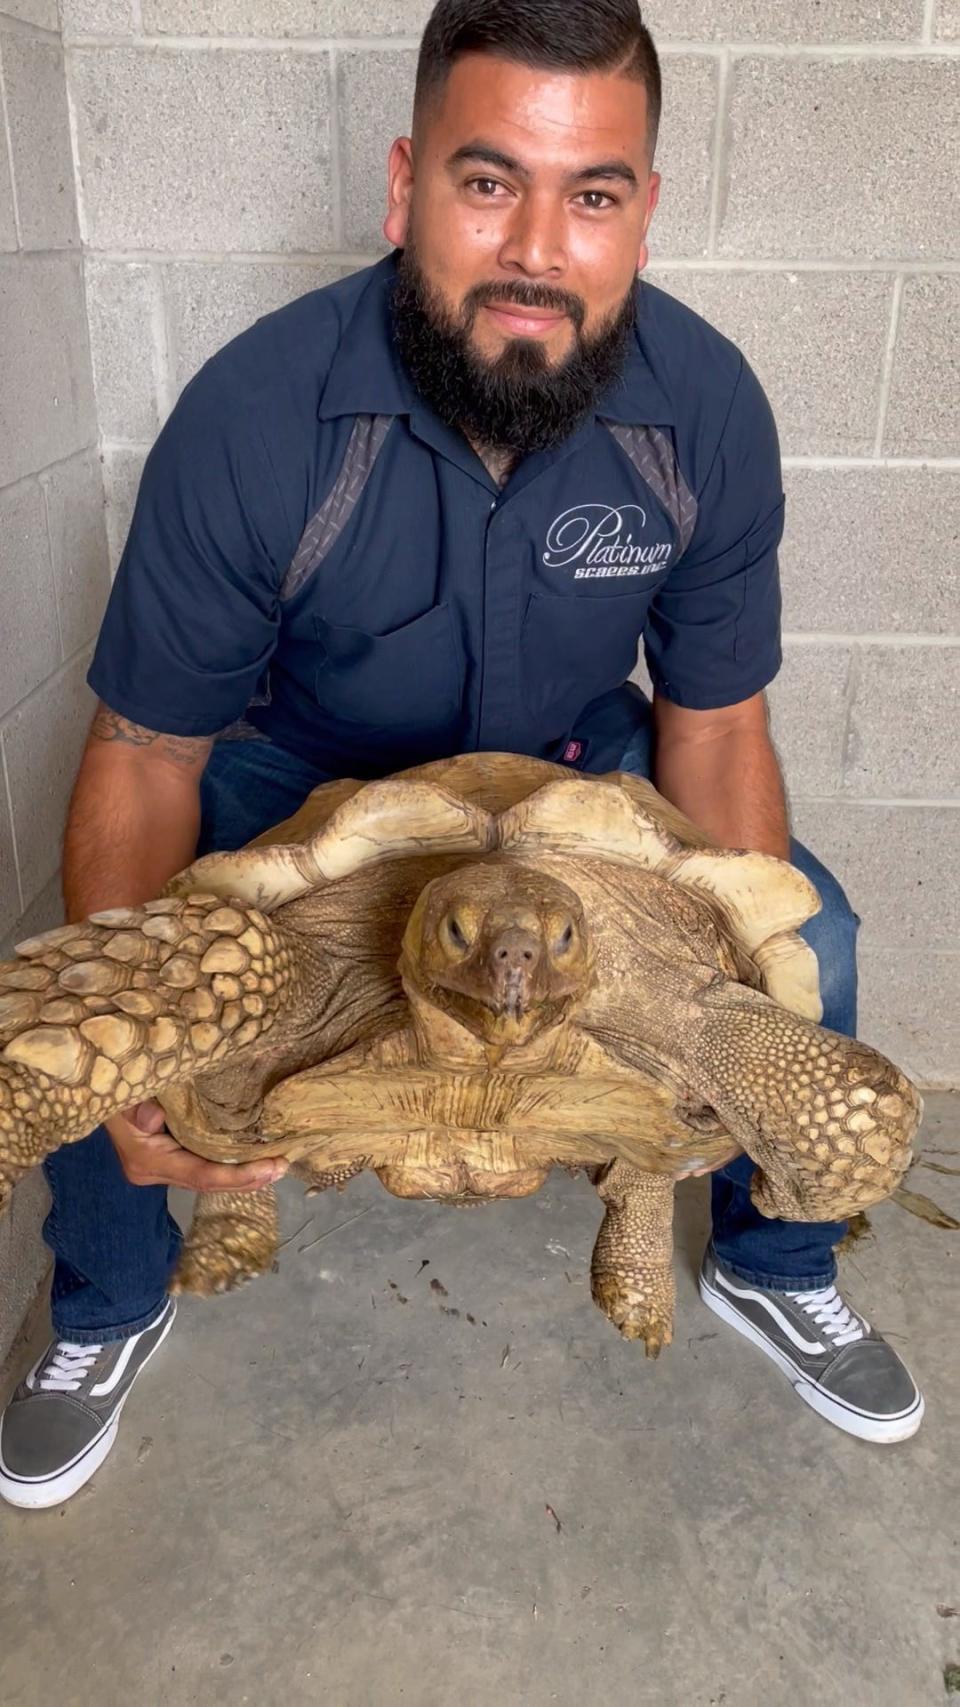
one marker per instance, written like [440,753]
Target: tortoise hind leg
[632,1269]
[232,1238]
[315,1180]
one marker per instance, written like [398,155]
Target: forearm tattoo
[186,750]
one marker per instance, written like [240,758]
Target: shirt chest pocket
[403,685]
[575,648]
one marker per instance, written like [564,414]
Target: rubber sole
[49,1491]
[880,1431]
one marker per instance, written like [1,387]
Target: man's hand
[150,1155]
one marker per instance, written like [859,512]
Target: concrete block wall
[54,571]
[230,155]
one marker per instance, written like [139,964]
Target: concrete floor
[365,1482]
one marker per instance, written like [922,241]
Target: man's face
[526,203]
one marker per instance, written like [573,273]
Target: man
[431,509]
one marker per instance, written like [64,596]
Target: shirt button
[494,504]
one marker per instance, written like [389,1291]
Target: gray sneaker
[63,1417]
[832,1357]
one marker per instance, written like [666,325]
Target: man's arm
[133,823]
[134,815]
[719,767]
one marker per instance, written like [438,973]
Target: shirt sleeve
[713,632]
[193,619]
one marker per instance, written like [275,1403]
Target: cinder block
[121,481]
[97,17]
[948,20]
[24,1258]
[78,546]
[685,156]
[375,93]
[854,539]
[43,741]
[923,414]
[29,636]
[44,913]
[210,304]
[898,865]
[816,341]
[124,308]
[46,395]
[8,223]
[36,91]
[905,1014]
[820,152]
[9,887]
[286,17]
[203,151]
[808,707]
[43,13]
[771,20]
[905,723]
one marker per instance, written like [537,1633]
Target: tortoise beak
[515,959]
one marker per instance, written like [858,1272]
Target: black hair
[561,35]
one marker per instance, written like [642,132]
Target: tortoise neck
[444,1041]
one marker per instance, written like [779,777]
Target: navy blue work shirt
[316,557]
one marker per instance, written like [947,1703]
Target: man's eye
[597,200]
[485,186]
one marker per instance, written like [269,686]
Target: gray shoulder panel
[654,457]
[324,529]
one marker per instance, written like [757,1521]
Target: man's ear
[399,192]
[653,196]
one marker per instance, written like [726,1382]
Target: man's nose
[535,241]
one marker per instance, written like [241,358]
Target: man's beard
[517,402]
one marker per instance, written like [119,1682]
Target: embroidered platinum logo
[597,541]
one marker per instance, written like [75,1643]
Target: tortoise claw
[633,1312]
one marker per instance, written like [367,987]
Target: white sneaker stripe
[781,1320]
[104,1387]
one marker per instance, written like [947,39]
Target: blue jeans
[115,1244]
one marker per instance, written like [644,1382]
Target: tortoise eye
[564,940]
[456,933]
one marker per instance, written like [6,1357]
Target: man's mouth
[524,322]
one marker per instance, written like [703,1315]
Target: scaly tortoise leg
[632,1269]
[100,1015]
[316,1179]
[232,1238]
[829,1120]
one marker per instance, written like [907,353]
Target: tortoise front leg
[632,1269]
[232,1238]
[97,1016]
[829,1120]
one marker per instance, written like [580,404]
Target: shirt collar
[637,398]
[367,376]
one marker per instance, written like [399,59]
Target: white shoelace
[838,1322]
[68,1367]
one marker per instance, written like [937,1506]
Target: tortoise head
[502,948]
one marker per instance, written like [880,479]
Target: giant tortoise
[461,977]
